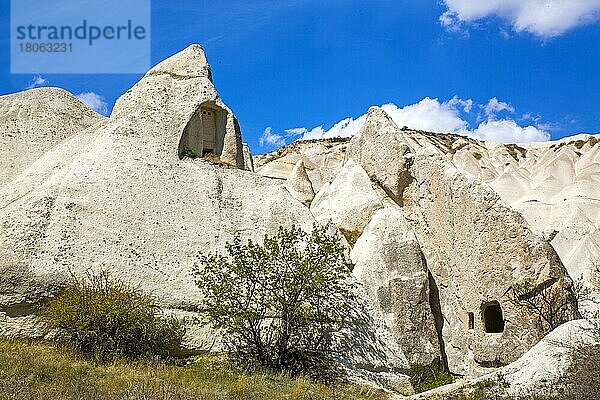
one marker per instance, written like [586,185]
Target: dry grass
[31,371]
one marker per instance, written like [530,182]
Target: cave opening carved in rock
[493,319]
[204,133]
[471,320]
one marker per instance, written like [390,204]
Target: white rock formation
[120,198]
[248,163]
[389,264]
[322,160]
[299,185]
[349,201]
[554,185]
[208,125]
[34,121]
[477,250]
[438,244]
[381,150]
[539,373]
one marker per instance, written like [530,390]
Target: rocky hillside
[555,185]
[439,241]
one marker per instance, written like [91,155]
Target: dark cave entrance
[204,133]
[471,320]
[492,317]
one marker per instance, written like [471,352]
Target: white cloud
[295,131]
[271,139]
[345,128]
[508,131]
[36,82]
[435,116]
[94,101]
[543,18]
[431,115]
[493,107]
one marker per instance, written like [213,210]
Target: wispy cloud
[494,106]
[94,101]
[271,139]
[37,81]
[545,19]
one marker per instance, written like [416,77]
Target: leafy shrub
[106,319]
[279,304]
[581,381]
[426,377]
[189,152]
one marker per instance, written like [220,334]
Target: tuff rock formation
[539,373]
[382,151]
[478,250]
[299,184]
[553,185]
[470,251]
[248,163]
[122,198]
[389,263]
[33,122]
[349,201]
[440,229]
[322,160]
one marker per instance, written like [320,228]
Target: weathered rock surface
[436,247]
[120,198]
[475,247]
[554,185]
[349,201]
[322,160]
[380,148]
[34,121]
[539,373]
[248,163]
[184,81]
[389,264]
[477,250]
[299,185]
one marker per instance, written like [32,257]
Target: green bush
[426,377]
[189,152]
[280,304]
[106,319]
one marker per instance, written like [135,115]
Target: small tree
[550,304]
[279,304]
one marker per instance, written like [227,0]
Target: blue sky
[288,67]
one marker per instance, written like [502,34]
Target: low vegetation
[112,342]
[106,318]
[351,236]
[581,381]
[33,371]
[280,303]
[550,305]
[189,152]
[426,377]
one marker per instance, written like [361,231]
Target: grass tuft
[33,370]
